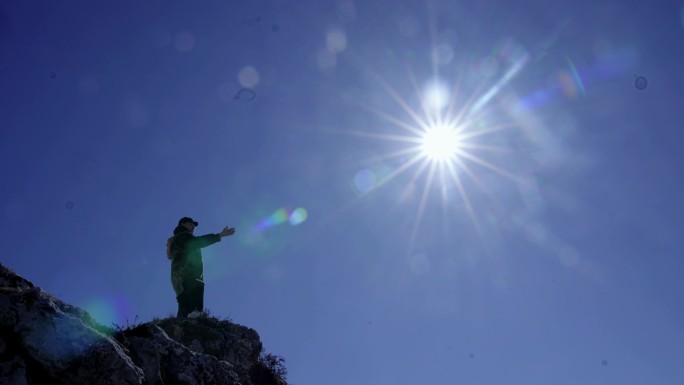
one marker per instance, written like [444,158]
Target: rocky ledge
[46,341]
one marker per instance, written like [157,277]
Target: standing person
[187,274]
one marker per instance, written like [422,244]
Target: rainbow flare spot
[576,77]
[570,82]
[298,216]
[108,310]
[281,216]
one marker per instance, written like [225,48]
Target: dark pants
[191,299]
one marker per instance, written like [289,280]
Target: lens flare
[108,310]
[570,82]
[444,136]
[279,217]
[102,311]
[436,95]
[364,180]
[298,216]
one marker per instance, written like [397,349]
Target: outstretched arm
[189,242]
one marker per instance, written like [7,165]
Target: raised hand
[227,231]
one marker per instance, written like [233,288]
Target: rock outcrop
[46,341]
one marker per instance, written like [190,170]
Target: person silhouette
[187,269]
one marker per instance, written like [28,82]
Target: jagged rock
[168,362]
[52,342]
[45,341]
[224,340]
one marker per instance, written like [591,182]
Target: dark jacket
[186,263]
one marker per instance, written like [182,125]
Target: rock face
[45,341]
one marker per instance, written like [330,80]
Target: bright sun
[445,141]
[440,143]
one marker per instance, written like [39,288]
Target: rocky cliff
[46,341]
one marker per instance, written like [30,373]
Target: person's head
[188,223]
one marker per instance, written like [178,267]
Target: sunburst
[446,139]
[440,143]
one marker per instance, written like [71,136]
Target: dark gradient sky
[547,250]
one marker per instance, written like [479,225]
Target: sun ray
[414,115]
[396,121]
[490,166]
[508,76]
[485,147]
[467,106]
[351,203]
[497,86]
[397,172]
[443,199]
[418,172]
[445,131]
[365,134]
[454,98]
[464,196]
[480,114]
[443,184]
[489,130]
[478,182]
[421,206]
[484,100]
[372,73]
[426,112]
[432,33]
[387,156]
[416,175]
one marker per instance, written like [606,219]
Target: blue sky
[545,249]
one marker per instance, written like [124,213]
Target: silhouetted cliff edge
[46,341]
